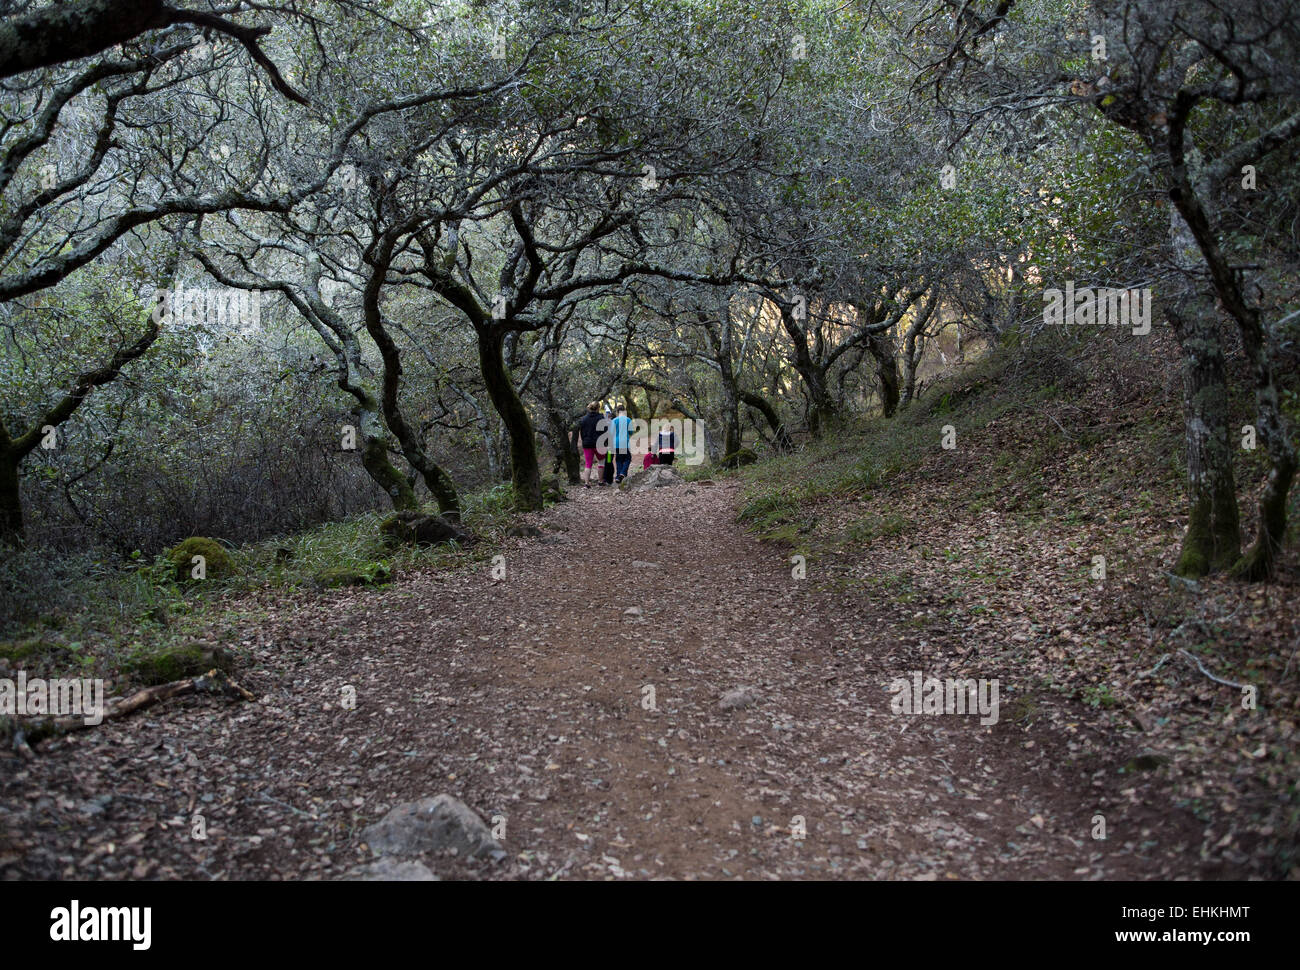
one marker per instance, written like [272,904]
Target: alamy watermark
[684,436]
[931,695]
[1101,306]
[61,697]
[218,307]
[75,923]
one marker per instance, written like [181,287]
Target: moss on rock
[216,565]
[739,458]
[370,574]
[554,490]
[176,662]
[417,528]
[16,650]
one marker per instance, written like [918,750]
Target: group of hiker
[608,444]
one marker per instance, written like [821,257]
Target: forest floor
[526,698]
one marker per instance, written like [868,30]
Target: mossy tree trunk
[1260,561]
[524,473]
[374,458]
[340,336]
[1213,538]
[720,343]
[764,407]
[913,344]
[884,353]
[564,438]
[11,503]
[409,439]
[821,407]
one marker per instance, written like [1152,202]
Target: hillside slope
[986,554]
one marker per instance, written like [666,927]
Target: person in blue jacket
[621,443]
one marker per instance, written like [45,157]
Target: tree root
[27,732]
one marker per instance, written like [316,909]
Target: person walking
[621,443]
[589,430]
[605,450]
[666,446]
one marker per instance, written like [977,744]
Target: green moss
[554,490]
[16,650]
[872,527]
[1099,696]
[739,458]
[217,563]
[161,665]
[395,531]
[1022,708]
[368,574]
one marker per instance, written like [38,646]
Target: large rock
[656,476]
[554,490]
[216,561]
[388,869]
[431,825]
[421,529]
[739,458]
[739,697]
[177,661]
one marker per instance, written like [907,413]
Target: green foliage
[498,501]
[20,651]
[872,527]
[1100,696]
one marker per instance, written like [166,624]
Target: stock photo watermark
[22,696]
[220,307]
[1098,307]
[933,695]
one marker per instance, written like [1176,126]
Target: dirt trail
[523,698]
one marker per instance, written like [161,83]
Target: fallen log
[29,731]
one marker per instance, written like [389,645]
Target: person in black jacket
[589,429]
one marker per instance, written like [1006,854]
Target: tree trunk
[11,503]
[911,362]
[885,355]
[1260,560]
[374,458]
[440,485]
[1213,538]
[524,473]
[779,432]
[408,438]
[566,446]
[821,408]
[731,438]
